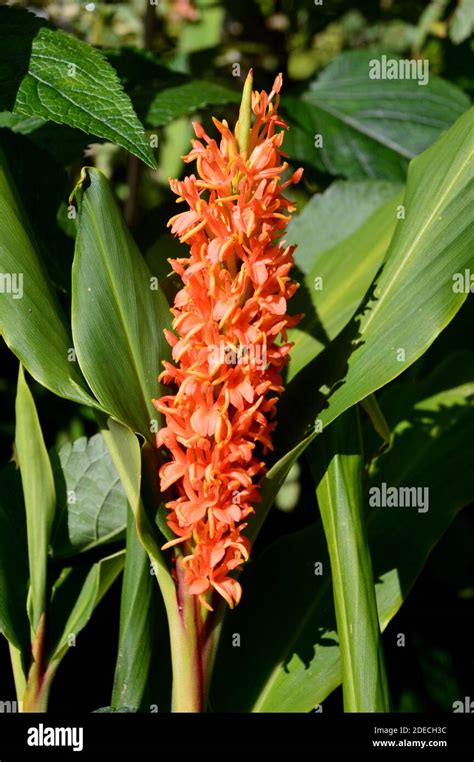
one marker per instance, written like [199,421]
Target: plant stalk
[185,627]
[40,676]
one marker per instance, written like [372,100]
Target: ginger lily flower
[229,345]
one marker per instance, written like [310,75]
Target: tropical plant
[181,470]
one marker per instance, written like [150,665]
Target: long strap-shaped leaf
[412,301]
[39,493]
[31,319]
[137,626]
[337,465]
[118,311]
[293,662]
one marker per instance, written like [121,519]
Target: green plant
[376,293]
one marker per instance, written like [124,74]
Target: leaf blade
[417,274]
[117,317]
[34,321]
[39,492]
[294,664]
[337,465]
[51,74]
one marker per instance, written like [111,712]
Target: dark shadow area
[310,391]
[433,450]
[19,30]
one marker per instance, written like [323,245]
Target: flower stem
[211,641]
[40,676]
[186,652]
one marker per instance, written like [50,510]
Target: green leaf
[410,304]
[118,312]
[76,594]
[373,410]
[371,128]
[205,31]
[161,95]
[462,22]
[51,74]
[125,451]
[187,98]
[143,498]
[39,493]
[339,275]
[317,229]
[91,502]
[13,561]
[294,663]
[337,465]
[31,320]
[136,682]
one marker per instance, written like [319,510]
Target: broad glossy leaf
[91,502]
[336,461]
[318,228]
[13,561]
[291,662]
[118,311]
[39,493]
[51,74]
[409,305]
[339,275]
[76,594]
[31,319]
[373,127]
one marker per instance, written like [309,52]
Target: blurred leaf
[462,21]
[294,662]
[376,416]
[336,462]
[33,326]
[76,594]
[318,227]
[340,274]
[118,313]
[91,502]
[174,143]
[298,142]
[371,128]
[50,74]
[187,98]
[206,31]
[411,303]
[161,95]
[41,209]
[428,19]
[13,561]
[39,493]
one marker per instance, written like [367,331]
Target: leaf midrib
[135,360]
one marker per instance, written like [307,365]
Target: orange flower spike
[228,342]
